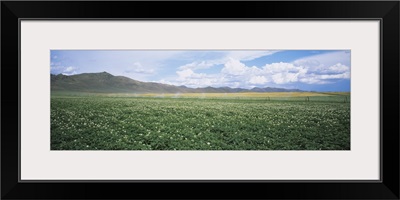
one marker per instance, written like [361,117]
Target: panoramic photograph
[200,100]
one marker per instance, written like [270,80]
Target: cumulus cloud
[65,70]
[312,79]
[282,78]
[212,68]
[345,75]
[228,57]
[185,73]
[191,79]
[317,62]
[258,80]
[337,68]
[281,67]
[69,69]
[310,63]
[234,67]
[138,68]
[277,73]
[236,74]
[188,73]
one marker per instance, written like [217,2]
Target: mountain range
[104,82]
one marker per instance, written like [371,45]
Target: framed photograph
[279,95]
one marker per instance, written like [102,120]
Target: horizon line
[299,90]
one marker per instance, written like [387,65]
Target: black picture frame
[386,11]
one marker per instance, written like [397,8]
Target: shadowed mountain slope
[107,83]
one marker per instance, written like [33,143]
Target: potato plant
[148,123]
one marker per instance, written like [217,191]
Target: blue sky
[316,70]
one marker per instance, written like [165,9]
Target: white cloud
[310,63]
[258,80]
[234,67]
[313,80]
[318,69]
[69,71]
[198,65]
[282,78]
[281,67]
[337,68]
[322,68]
[277,73]
[345,75]
[139,69]
[324,60]
[229,56]
[323,78]
[185,73]
[191,79]
[66,70]
[237,74]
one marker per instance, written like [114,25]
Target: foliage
[141,123]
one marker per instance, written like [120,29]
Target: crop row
[197,124]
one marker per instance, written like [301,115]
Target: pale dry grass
[235,95]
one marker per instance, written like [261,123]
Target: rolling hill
[107,83]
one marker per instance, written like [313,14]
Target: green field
[219,122]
